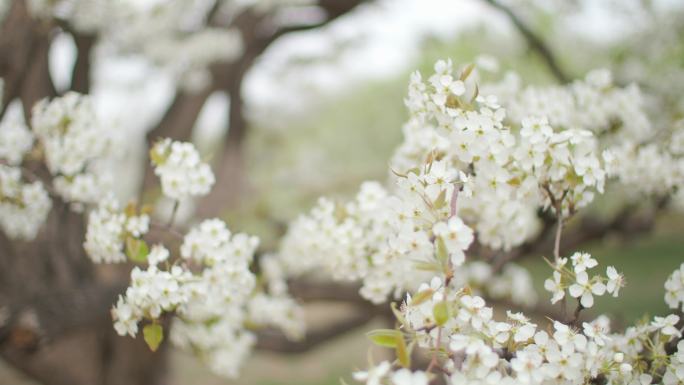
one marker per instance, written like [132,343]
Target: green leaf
[130,209]
[397,313]
[137,250]
[467,71]
[154,335]
[421,297]
[397,173]
[415,170]
[384,337]
[403,354]
[441,251]
[453,101]
[441,312]
[475,94]
[428,266]
[156,157]
[441,200]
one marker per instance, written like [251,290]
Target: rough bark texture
[57,327]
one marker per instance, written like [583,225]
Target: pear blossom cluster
[470,344]
[23,206]
[182,172]
[514,164]
[674,289]
[109,227]
[594,103]
[470,172]
[15,139]
[207,287]
[460,154]
[387,240]
[578,283]
[174,35]
[352,237]
[641,156]
[66,137]
[212,294]
[74,144]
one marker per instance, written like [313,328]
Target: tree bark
[63,333]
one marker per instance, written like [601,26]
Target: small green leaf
[384,337]
[397,313]
[467,71]
[397,173]
[415,170]
[421,297]
[453,102]
[154,335]
[441,200]
[137,250]
[441,251]
[130,209]
[402,352]
[441,312]
[475,94]
[428,266]
[156,157]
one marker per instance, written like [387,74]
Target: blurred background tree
[302,114]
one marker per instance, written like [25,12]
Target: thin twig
[576,314]
[433,361]
[164,228]
[173,214]
[454,201]
[559,230]
[534,41]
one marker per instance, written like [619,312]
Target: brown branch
[80,74]
[626,223]
[274,341]
[46,316]
[309,291]
[534,41]
[23,56]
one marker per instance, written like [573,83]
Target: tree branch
[534,42]
[80,75]
[275,341]
[45,316]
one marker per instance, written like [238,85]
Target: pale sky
[384,36]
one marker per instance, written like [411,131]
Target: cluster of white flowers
[380,238]
[674,289]
[577,280]
[212,293]
[403,376]
[183,174]
[646,159]
[481,349]
[15,139]
[460,153]
[151,292]
[464,157]
[74,145]
[23,206]
[514,164]
[352,239]
[208,286]
[593,103]
[109,228]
